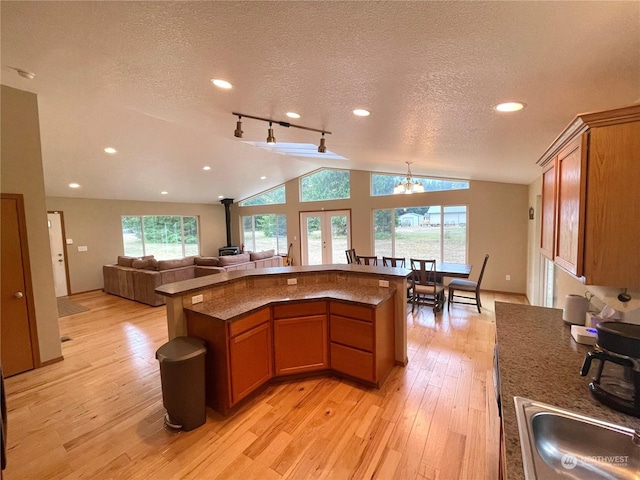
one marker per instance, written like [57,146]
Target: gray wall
[97,225]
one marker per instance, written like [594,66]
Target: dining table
[455,270]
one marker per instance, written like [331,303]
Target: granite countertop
[539,360]
[236,305]
[194,284]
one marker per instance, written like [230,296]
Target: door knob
[18,295]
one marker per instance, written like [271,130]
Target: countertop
[194,284]
[236,305]
[539,360]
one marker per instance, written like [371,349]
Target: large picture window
[274,196]
[382,184]
[433,232]
[163,236]
[265,232]
[325,185]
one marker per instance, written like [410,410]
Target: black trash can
[182,375]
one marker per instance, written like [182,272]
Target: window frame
[399,177]
[316,172]
[253,231]
[241,203]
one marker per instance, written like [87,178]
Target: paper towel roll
[575,309]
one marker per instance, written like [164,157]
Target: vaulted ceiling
[136,76]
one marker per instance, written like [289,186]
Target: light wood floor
[99,414]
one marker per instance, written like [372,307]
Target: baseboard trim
[51,362]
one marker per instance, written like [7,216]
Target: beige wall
[22,173]
[497,223]
[97,225]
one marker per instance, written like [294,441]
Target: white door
[325,235]
[58,259]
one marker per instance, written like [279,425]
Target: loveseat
[137,278]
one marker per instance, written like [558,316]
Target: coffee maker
[617,380]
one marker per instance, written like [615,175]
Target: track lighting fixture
[271,139]
[322,147]
[408,186]
[238,131]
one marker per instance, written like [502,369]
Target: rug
[69,307]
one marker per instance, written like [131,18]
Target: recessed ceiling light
[164,193]
[110,150]
[293,115]
[263,178]
[74,185]
[207,167]
[361,112]
[220,196]
[221,83]
[509,106]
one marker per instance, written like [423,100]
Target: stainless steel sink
[561,444]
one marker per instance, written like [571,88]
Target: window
[163,236]
[422,232]
[383,184]
[270,197]
[325,185]
[265,232]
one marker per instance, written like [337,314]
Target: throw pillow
[124,261]
[145,264]
[233,259]
[262,255]
[207,261]
[175,263]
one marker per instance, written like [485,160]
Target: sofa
[137,278]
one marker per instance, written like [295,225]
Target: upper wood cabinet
[589,187]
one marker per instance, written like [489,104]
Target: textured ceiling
[136,76]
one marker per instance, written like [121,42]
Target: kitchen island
[539,360]
[272,323]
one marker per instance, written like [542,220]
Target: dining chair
[424,288]
[461,285]
[393,262]
[351,256]
[367,260]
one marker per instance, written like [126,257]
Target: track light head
[238,131]
[271,140]
[322,147]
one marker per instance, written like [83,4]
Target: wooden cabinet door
[571,190]
[300,344]
[250,361]
[548,219]
[612,254]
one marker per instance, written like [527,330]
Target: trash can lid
[180,349]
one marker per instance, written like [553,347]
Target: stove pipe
[227,217]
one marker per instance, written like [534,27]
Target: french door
[324,237]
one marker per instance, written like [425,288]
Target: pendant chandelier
[408,186]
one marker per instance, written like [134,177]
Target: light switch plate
[82,248]
[69,241]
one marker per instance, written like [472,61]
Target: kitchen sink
[561,444]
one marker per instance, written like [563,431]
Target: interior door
[325,235]
[58,258]
[17,342]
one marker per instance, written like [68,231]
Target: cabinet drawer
[353,362]
[300,309]
[353,311]
[248,322]
[353,333]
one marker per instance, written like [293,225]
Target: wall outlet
[196,299]
[383,283]
[69,241]
[292,281]
[82,249]
[508,277]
